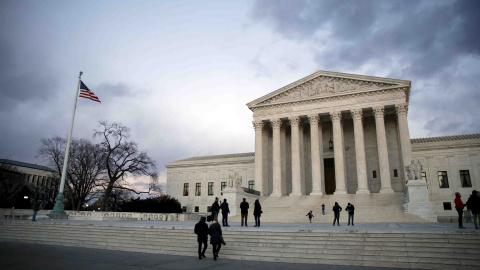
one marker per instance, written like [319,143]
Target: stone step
[292,256]
[402,250]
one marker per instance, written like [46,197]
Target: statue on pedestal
[413,170]
[234,180]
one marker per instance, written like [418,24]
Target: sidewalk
[16,256]
[285,227]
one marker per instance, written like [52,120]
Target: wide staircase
[374,207]
[442,250]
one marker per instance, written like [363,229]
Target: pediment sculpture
[325,86]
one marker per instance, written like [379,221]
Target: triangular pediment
[323,84]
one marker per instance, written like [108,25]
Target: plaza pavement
[20,256]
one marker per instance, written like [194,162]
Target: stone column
[405,144]
[296,173]
[360,152]
[316,156]
[258,125]
[338,153]
[382,150]
[277,158]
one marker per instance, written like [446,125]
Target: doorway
[329,168]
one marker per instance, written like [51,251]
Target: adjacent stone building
[333,134]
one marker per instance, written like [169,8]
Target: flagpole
[59,208]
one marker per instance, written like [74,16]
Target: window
[374,174]
[447,206]
[209,209]
[198,189]
[210,188]
[465,178]
[197,209]
[184,209]
[251,184]
[424,176]
[185,189]
[223,186]
[443,179]
[395,173]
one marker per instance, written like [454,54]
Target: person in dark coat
[216,238]
[201,230]
[225,212]
[257,212]
[473,204]
[215,209]
[336,211]
[244,211]
[459,206]
[36,208]
[310,215]
[351,211]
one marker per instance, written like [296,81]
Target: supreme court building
[333,134]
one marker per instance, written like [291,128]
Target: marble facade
[326,134]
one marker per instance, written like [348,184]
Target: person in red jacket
[459,206]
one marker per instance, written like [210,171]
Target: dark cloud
[422,41]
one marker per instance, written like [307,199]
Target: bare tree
[123,159]
[85,167]
[11,183]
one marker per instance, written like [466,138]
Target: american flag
[86,93]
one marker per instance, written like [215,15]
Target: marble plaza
[335,137]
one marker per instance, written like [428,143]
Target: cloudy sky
[179,73]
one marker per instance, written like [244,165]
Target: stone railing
[251,191]
[110,216]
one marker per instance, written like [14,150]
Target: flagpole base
[58,211]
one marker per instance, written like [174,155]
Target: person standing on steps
[36,208]
[216,238]
[323,209]
[459,206]
[310,215]
[225,212]
[201,230]
[244,211]
[473,204]
[215,209]
[351,211]
[257,212]
[336,210]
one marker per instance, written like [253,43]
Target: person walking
[473,204]
[216,238]
[215,209]
[257,212]
[323,209]
[36,208]
[201,230]
[336,210]
[351,211]
[244,211]
[459,206]
[310,215]
[225,212]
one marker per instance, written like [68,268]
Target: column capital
[401,108]
[257,125]
[294,121]
[357,114]
[336,116]
[313,118]
[379,111]
[276,123]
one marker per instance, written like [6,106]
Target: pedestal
[417,200]
[235,196]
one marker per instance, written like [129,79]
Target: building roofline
[26,165]
[446,138]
